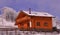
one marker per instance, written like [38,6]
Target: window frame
[45,23]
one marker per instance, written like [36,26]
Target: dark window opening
[38,23]
[28,24]
[45,24]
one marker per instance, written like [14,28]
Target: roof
[34,13]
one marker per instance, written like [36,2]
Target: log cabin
[31,20]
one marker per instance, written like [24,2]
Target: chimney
[29,10]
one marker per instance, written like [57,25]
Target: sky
[50,6]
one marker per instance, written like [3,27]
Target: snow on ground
[7,24]
[39,33]
[28,33]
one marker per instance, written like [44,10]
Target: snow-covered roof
[34,13]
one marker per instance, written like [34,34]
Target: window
[45,24]
[38,24]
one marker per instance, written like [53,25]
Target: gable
[21,15]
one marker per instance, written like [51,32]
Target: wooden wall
[45,22]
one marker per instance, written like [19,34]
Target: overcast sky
[50,6]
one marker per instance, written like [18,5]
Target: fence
[17,32]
